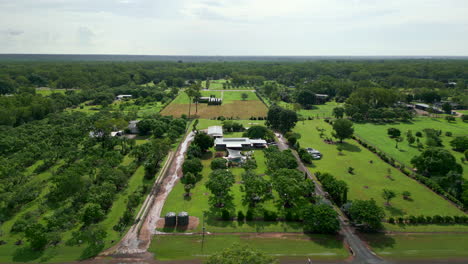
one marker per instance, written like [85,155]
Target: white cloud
[235,27]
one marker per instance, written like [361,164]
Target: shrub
[437,219]
[428,219]
[240,216]
[391,220]
[269,216]
[418,134]
[249,215]
[421,219]
[448,134]
[401,220]
[225,215]
[448,219]
[412,219]
[218,164]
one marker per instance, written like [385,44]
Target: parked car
[314,153]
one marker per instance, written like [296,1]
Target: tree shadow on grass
[394,211]
[378,240]
[27,254]
[91,251]
[349,147]
[207,155]
[327,241]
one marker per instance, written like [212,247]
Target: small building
[117,133]
[123,96]
[215,131]
[170,219]
[239,143]
[428,108]
[321,98]
[133,126]
[211,100]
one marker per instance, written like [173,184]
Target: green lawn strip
[465,112]
[214,84]
[205,123]
[47,92]
[198,203]
[426,228]
[371,178]
[317,111]
[419,246]
[322,247]
[231,96]
[377,136]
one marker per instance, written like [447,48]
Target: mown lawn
[321,247]
[377,135]
[317,111]
[369,178]
[419,246]
[49,91]
[205,123]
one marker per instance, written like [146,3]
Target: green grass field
[296,246]
[370,178]
[317,111]
[49,91]
[218,85]
[124,106]
[419,246]
[205,123]
[377,135]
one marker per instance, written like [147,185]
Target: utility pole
[203,232]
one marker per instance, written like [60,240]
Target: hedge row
[436,219]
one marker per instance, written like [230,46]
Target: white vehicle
[314,153]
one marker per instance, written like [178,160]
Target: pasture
[428,246]
[371,175]
[282,246]
[232,106]
[376,134]
[317,111]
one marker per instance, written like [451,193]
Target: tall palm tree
[191,93]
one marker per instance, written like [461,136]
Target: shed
[215,131]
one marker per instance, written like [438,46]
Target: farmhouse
[123,96]
[426,107]
[215,131]
[239,143]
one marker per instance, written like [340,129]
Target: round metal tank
[183,219]
[170,219]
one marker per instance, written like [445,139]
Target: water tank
[183,219]
[170,219]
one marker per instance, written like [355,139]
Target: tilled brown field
[235,109]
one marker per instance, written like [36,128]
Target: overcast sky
[235,27]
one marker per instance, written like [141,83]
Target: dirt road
[135,243]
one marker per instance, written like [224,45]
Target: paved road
[362,254]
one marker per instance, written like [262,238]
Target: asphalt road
[361,253]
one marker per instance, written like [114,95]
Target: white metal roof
[215,131]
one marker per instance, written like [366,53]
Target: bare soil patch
[236,109]
[193,224]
